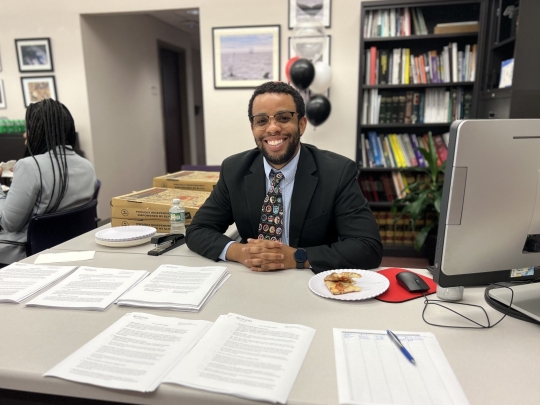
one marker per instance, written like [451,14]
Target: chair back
[96,190]
[48,230]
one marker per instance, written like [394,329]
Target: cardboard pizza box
[161,226]
[154,203]
[188,180]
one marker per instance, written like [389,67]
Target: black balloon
[302,73]
[318,109]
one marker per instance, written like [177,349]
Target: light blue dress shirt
[287,186]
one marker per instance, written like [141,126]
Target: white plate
[126,243]
[371,283]
[125,233]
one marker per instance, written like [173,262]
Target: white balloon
[308,39]
[322,79]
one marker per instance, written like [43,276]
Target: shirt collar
[289,170]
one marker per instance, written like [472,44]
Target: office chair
[51,229]
[96,190]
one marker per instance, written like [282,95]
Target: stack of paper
[177,287]
[90,288]
[371,369]
[135,353]
[246,357]
[18,281]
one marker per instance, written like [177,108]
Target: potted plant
[423,200]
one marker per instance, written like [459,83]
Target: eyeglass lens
[281,118]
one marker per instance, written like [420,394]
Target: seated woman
[53,177]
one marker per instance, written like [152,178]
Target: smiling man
[295,206]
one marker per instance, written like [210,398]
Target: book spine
[410,150]
[417,153]
[442,151]
[374,145]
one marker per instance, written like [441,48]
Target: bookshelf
[512,35]
[412,81]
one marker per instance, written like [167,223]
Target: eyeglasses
[281,119]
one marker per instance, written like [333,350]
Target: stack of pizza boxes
[150,207]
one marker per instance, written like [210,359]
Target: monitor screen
[489,227]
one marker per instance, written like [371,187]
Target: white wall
[124,93]
[226,124]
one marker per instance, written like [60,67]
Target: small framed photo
[2,95]
[38,88]
[325,57]
[245,57]
[34,55]
[303,9]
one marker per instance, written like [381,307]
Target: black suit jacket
[330,217]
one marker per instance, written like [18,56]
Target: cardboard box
[161,226]
[154,203]
[456,28]
[188,180]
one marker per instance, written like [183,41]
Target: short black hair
[278,87]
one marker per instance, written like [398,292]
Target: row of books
[398,232]
[416,107]
[394,22]
[399,151]
[399,66]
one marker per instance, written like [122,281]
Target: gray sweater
[21,202]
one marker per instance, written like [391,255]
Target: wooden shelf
[415,86]
[420,38]
[393,169]
[506,42]
[406,126]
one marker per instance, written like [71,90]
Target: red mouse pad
[397,293]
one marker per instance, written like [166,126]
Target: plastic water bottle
[177,217]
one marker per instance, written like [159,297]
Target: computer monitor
[489,227]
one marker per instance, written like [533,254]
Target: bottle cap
[176,201]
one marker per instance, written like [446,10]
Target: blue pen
[398,343]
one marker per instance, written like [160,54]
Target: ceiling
[186,20]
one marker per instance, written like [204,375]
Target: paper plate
[371,283]
[122,236]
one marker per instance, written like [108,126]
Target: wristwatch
[300,256]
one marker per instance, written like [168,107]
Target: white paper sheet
[92,288]
[372,370]
[176,287]
[247,358]
[134,353]
[18,281]
[65,257]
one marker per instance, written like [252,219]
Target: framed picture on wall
[38,88]
[34,55]
[245,57]
[325,57]
[306,9]
[2,95]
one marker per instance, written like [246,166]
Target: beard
[287,155]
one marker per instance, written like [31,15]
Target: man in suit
[313,213]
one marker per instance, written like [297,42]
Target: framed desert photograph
[245,57]
[38,88]
[308,9]
[2,95]
[34,55]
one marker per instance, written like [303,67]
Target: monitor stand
[526,298]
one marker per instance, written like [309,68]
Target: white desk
[496,366]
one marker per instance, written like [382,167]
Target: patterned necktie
[271,225]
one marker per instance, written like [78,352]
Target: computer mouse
[412,282]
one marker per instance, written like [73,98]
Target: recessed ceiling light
[193,11]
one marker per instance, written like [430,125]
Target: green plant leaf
[422,235]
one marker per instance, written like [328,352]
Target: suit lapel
[255,191]
[304,187]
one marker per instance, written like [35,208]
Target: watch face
[300,255]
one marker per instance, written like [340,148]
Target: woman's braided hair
[49,129]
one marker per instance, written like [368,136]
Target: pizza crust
[342,283]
